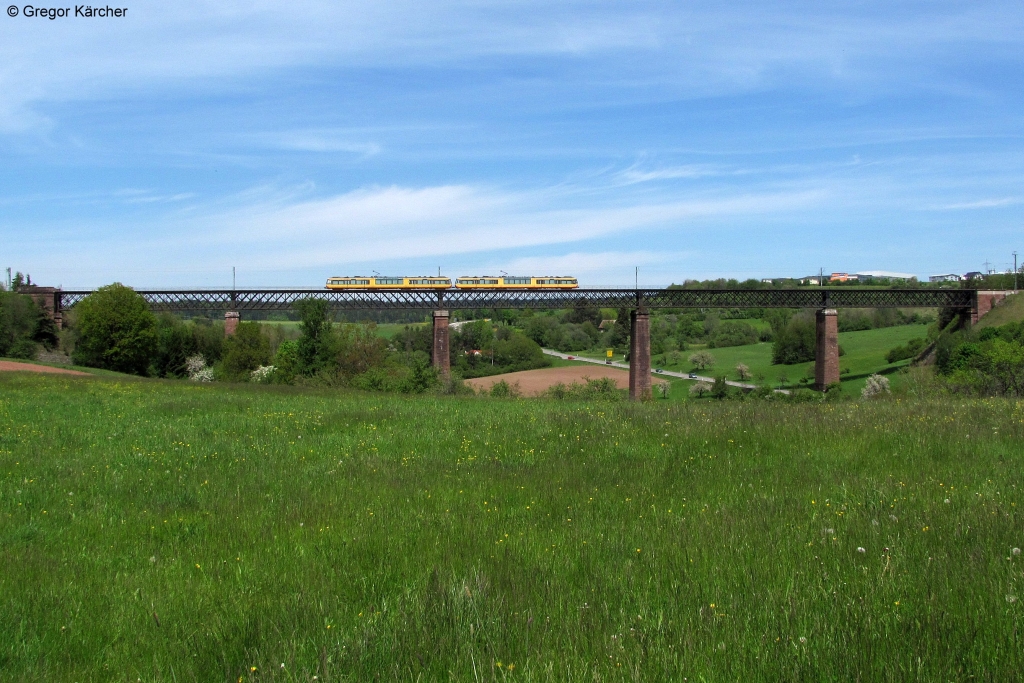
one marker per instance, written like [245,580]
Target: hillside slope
[1011,310]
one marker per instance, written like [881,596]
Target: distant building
[841,277]
[885,275]
[948,277]
[810,281]
[973,275]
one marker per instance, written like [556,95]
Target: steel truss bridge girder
[197,300]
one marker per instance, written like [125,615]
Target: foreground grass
[164,531]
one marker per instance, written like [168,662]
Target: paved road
[625,366]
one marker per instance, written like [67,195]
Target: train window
[517,281]
[389,280]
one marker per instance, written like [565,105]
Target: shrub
[197,371]
[175,344]
[115,330]
[743,372]
[503,389]
[592,389]
[908,350]
[409,373]
[732,333]
[244,351]
[286,361]
[315,350]
[876,386]
[720,389]
[262,375]
[794,342]
[23,326]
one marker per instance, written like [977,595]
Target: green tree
[316,345]
[244,351]
[24,326]
[115,330]
[175,344]
[794,342]
[359,348]
[720,389]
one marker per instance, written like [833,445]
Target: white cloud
[319,141]
[195,45]
[386,225]
[978,204]
[393,223]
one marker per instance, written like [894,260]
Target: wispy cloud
[314,140]
[977,204]
[398,222]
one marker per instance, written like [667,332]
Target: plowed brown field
[533,382]
[9,365]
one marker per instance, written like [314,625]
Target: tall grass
[171,532]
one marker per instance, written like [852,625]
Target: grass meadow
[161,531]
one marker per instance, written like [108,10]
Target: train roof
[514,276]
[389,277]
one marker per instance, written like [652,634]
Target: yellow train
[465,282]
[516,282]
[378,282]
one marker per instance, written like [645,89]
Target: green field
[865,353]
[160,531]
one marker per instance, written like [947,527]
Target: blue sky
[692,140]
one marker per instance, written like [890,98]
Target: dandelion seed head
[1015,551]
[861,550]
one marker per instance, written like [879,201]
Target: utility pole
[636,281]
[1015,271]
[232,278]
[8,277]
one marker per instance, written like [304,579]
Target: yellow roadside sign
[610,351]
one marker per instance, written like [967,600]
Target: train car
[379,282]
[516,282]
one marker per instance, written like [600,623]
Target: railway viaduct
[826,301]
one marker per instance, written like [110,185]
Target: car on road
[658,370]
[570,357]
[692,375]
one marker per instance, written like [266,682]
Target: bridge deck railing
[426,299]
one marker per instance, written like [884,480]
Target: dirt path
[533,382]
[8,365]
